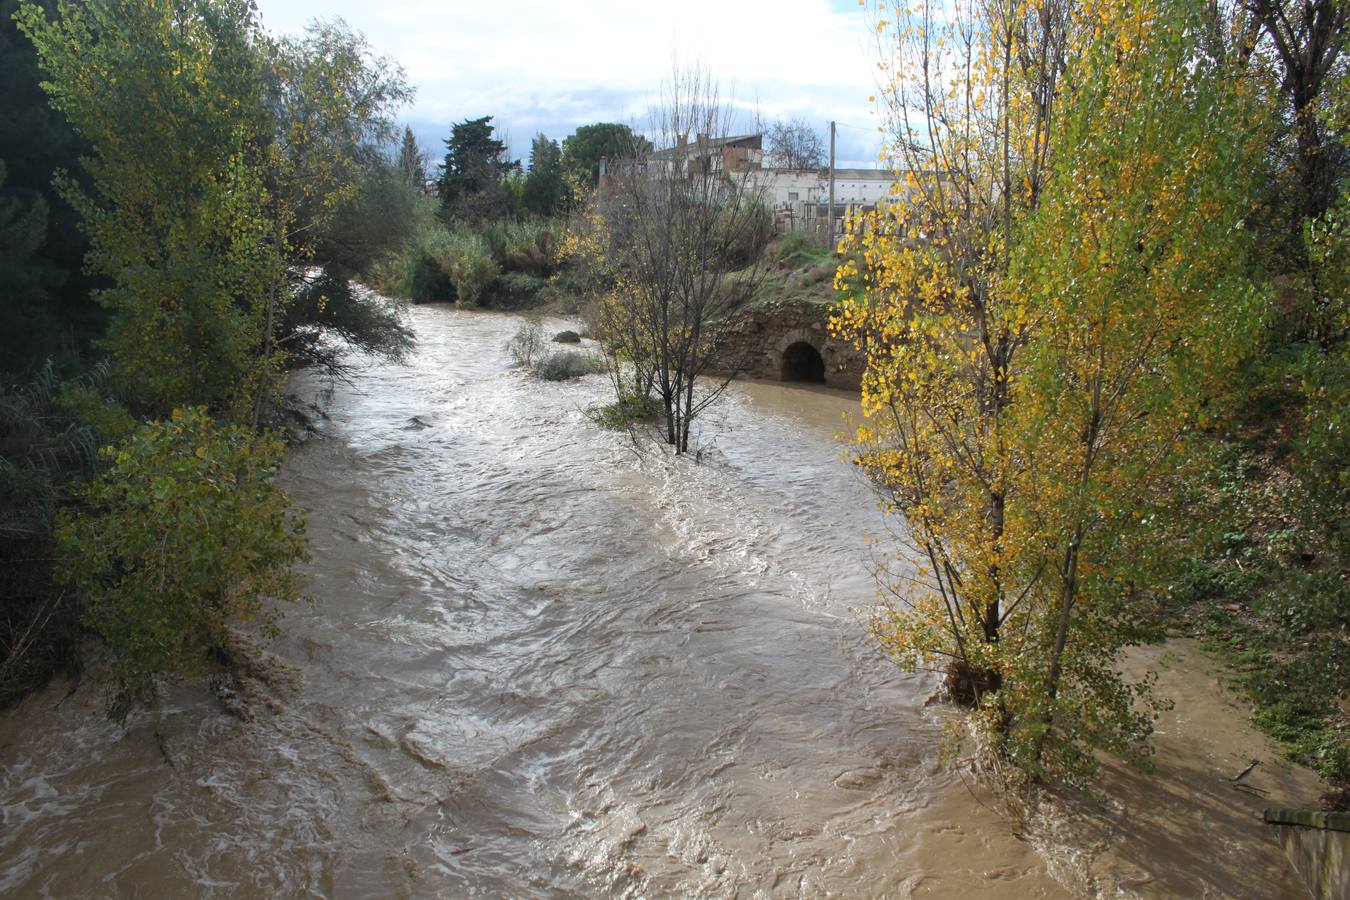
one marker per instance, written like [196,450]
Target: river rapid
[537,663]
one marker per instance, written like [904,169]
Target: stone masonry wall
[758,337]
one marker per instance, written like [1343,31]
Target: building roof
[866,174]
[713,143]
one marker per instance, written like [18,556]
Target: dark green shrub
[567,337]
[518,290]
[627,410]
[566,364]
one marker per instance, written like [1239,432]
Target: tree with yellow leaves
[1047,307]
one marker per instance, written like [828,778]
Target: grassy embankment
[1267,588]
[505,264]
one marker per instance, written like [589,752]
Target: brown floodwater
[538,662]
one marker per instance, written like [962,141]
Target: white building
[782,188]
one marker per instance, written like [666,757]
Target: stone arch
[800,336]
[801,361]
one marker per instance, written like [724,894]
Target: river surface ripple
[537,663]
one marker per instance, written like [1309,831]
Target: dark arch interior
[802,362]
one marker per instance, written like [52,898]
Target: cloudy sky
[551,66]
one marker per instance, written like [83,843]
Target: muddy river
[537,663]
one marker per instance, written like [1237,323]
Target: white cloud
[551,66]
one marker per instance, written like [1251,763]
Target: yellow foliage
[1044,307]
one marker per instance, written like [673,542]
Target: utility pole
[831,225]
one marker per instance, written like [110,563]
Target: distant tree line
[479,182]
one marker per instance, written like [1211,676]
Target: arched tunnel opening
[802,362]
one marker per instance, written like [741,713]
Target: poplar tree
[411,163]
[1046,307]
[544,183]
[172,98]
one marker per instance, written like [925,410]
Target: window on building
[792,196]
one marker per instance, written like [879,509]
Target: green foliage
[177,210]
[44,298]
[471,267]
[502,263]
[184,534]
[224,163]
[1269,539]
[1323,445]
[1137,323]
[414,272]
[379,217]
[512,205]
[411,163]
[543,192]
[49,431]
[518,290]
[233,185]
[328,312]
[527,344]
[583,150]
[564,365]
[800,249]
[629,408]
[1262,589]
[529,349]
[347,206]
[328,317]
[331,98]
[471,183]
[1046,334]
[531,246]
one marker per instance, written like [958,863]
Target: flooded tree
[683,228]
[1047,313]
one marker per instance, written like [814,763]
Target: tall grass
[462,264]
[439,264]
[530,246]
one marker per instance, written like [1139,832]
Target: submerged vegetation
[530,350]
[182,534]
